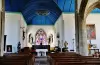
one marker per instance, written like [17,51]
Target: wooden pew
[71,58]
[18,59]
[90,60]
[66,59]
[1,58]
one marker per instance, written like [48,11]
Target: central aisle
[42,60]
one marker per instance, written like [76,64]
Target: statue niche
[41,37]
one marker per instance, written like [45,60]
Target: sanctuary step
[42,60]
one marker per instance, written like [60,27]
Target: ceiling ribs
[70,6]
[64,5]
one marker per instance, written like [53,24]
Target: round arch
[41,37]
[90,8]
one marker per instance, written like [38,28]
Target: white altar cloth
[41,52]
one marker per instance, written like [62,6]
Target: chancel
[49,32]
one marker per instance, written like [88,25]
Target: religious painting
[91,34]
[41,37]
[9,48]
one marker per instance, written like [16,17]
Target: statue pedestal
[64,49]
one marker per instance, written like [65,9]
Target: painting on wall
[9,48]
[91,34]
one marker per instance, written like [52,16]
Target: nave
[49,32]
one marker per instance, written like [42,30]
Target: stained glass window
[41,37]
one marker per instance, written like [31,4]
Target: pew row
[18,59]
[71,58]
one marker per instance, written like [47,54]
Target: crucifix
[23,32]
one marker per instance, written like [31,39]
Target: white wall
[59,28]
[14,24]
[95,19]
[12,31]
[69,29]
[23,26]
[33,29]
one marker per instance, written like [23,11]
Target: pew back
[72,59]
[18,59]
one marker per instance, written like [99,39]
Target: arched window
[41,37]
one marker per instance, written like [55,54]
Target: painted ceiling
[41,12]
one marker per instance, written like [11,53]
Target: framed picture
[91,34]
[9,48]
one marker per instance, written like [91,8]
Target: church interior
[49,32]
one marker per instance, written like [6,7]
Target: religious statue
[23,34]
[65,48]
[19,46]
[65,44]
[50,40]
[30,38]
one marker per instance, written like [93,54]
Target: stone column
[80,32]
[83,47]
[76,27]
[81,36]
[2,24]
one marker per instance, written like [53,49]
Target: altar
[41,49]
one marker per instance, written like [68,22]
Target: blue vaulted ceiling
[29,7]
[29,10]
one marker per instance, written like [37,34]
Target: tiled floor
[41,61]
